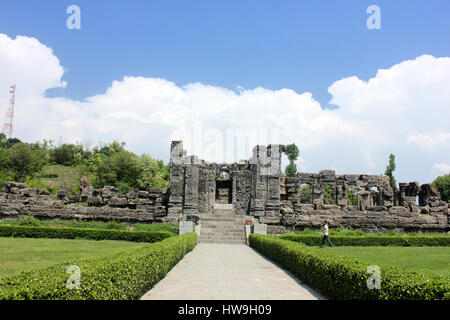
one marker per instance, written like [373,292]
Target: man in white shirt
[325,234]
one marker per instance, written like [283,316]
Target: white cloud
[430,141]
[404,110]
[399,110]
[442,167]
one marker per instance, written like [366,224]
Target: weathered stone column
[273,202]
[191,176]
[259,185]
[265,165]
[175,205]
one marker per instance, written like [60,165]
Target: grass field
[20,254]
[428,260]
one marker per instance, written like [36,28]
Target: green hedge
[124,275]
[365,241]
[344,278]
[82,233]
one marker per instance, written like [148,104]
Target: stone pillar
[206,190]
[177,169]
[273,203]
[363,200]
[266,169]
[191,179]
[259,185]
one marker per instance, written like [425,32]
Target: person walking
[325,234]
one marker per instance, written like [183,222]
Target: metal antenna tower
[8,125]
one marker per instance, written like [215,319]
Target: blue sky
[303,45]
[163,47]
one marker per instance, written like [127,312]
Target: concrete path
[228,272]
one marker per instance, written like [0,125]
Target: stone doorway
[224,192]
[224,189]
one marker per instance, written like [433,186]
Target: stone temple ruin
[222,200]
[256,189]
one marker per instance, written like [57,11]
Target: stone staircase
[222,226]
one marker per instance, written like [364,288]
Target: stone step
[224,225]
[222,237]
[224,241]
[222,218]
[218,231]
[223,211]
[223,206]
[223,233]
[221,229]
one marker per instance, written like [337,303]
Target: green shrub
[328,194]
[82,233]
[345,278]
[367,241]
[124,275]
[40,185]
[170,227]
[75,190]
[305,194]
[157,226]
[114,225]
[48,175]
[352,197]
[29,221]
[123,187]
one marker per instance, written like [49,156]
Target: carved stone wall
[257,190]
[379,207]
[255,184]
[17,201]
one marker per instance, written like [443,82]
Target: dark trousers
[323,241]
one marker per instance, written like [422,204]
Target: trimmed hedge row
[367,241]
[345,278]
[82,233]
[124,275]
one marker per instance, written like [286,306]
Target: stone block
[270,219]
[94,201]
[186,226]
[143,194]
[133,194]
[260,228]
[118,202]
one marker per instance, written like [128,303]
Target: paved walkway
[228,272]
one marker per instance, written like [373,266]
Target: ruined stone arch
[305,193]
[224,185]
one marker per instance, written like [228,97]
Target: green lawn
[429,260]
[20,254]
[66,176]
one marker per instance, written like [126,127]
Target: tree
[443,185]
[292,153]
[64,154]
[153,174]
[390,169]
[122,166]
[328,194]
[12,141]
[305,194]
[352,197]
[111,148]
[23,161]
[3,140]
